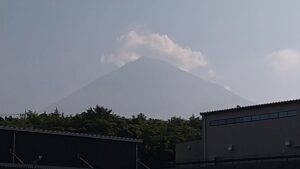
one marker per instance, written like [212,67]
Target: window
[239,120]
[231,121]
[291,113]
[266,116]
[222,122]
[247,118]
[214,122]
[255,118]
[273,115]
[282,114]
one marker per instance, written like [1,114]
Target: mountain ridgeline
[151,87]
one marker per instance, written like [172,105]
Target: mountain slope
[152,87]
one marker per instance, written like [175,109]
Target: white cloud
[285,61]
[227,87]
[134,45]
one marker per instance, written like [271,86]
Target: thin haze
[49,49]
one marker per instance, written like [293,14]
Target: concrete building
[189,153]
[255,131]
[267,132]
[33,148]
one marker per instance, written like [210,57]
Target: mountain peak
[147,62]
[152,87]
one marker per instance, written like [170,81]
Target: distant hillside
[152,87]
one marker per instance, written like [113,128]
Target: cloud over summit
[133,45]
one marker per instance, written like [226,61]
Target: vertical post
[136,156]
[204,136]
[14,147]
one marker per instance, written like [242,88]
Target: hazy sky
[49,49]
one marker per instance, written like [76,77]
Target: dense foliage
[159,136]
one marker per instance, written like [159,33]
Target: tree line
[159,136]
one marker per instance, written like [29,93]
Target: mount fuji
[152,87]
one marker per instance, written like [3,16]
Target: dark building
[188,154]
[265,132]
[253,131]
[25,148]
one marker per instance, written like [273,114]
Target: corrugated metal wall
[6,138]
[60,150]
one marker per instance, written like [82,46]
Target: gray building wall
[189,152]
[256,138]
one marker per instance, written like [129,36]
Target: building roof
[31,166]
[238,108]
[66,133]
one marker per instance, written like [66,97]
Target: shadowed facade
[30,147]
[264,134]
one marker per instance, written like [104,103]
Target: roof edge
[72,134]
[249,107]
